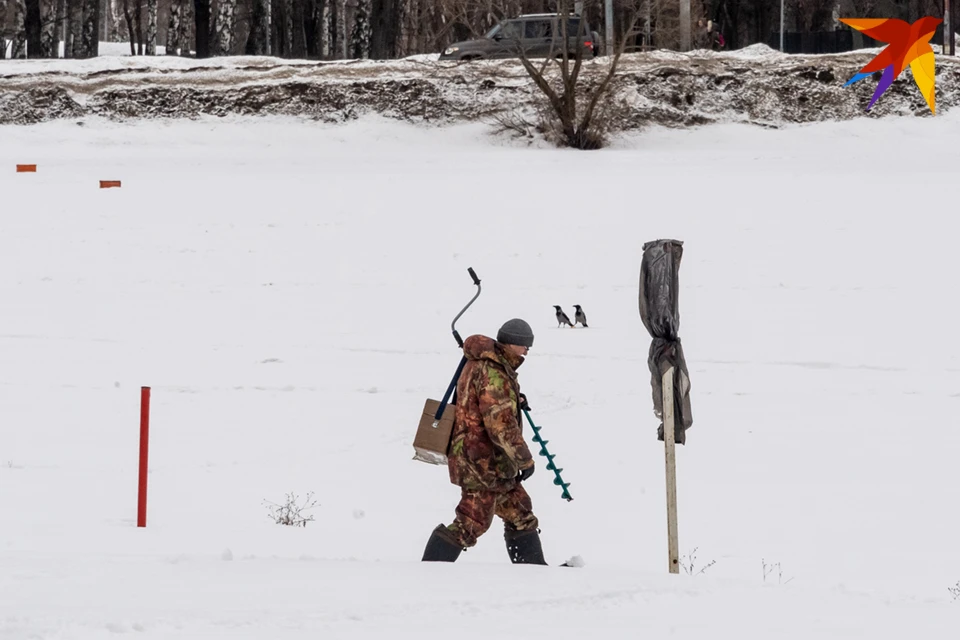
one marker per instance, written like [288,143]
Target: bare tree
[573,122]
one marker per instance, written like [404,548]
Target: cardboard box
[433,437]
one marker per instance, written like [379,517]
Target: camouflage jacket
[487,449]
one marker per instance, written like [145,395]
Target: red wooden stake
[144,441]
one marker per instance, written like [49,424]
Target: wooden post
[144,448]
[669,442]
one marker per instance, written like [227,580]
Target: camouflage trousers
[477,508]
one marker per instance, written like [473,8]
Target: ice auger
[549,456]
[451,394]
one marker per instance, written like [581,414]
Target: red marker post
[144,442]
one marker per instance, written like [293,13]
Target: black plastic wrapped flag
[660,313]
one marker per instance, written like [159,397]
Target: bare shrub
[771,569]
[690,565]
[290,513]
[571,112]
[955,590]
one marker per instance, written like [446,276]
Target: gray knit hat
[517,332]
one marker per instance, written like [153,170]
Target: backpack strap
[451,390]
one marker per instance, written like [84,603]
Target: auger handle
[476,281]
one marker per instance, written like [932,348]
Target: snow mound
[756,85]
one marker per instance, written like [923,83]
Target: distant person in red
[716,38]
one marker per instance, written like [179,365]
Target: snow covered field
[286,289]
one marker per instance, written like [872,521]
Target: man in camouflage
[488,457]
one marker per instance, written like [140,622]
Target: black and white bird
[580,316]
[562,318]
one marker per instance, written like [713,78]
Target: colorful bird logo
[908,44]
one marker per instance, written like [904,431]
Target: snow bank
[755,85]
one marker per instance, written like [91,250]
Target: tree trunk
[131,30]
[71,45]
[91,37]
[385,28]
[326,38]
[173,29]
[60,28]
[201,14]
[337,29]
[18,48]
[138,18]
[360,34]
[33,29]
[288,28]
[223,40]
[114,16]
[313,27]
[151,27]
[258,42]
[3,29]
[48,30]
[185,33]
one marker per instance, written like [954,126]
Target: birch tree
[173,28]
[151,27]
[48,29]
[223,39]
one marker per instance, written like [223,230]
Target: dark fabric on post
[659,300]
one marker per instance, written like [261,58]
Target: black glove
[524,474]
[523,403]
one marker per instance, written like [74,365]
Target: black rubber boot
[524,546]
[442,546]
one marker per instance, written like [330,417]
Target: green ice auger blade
[550,464]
